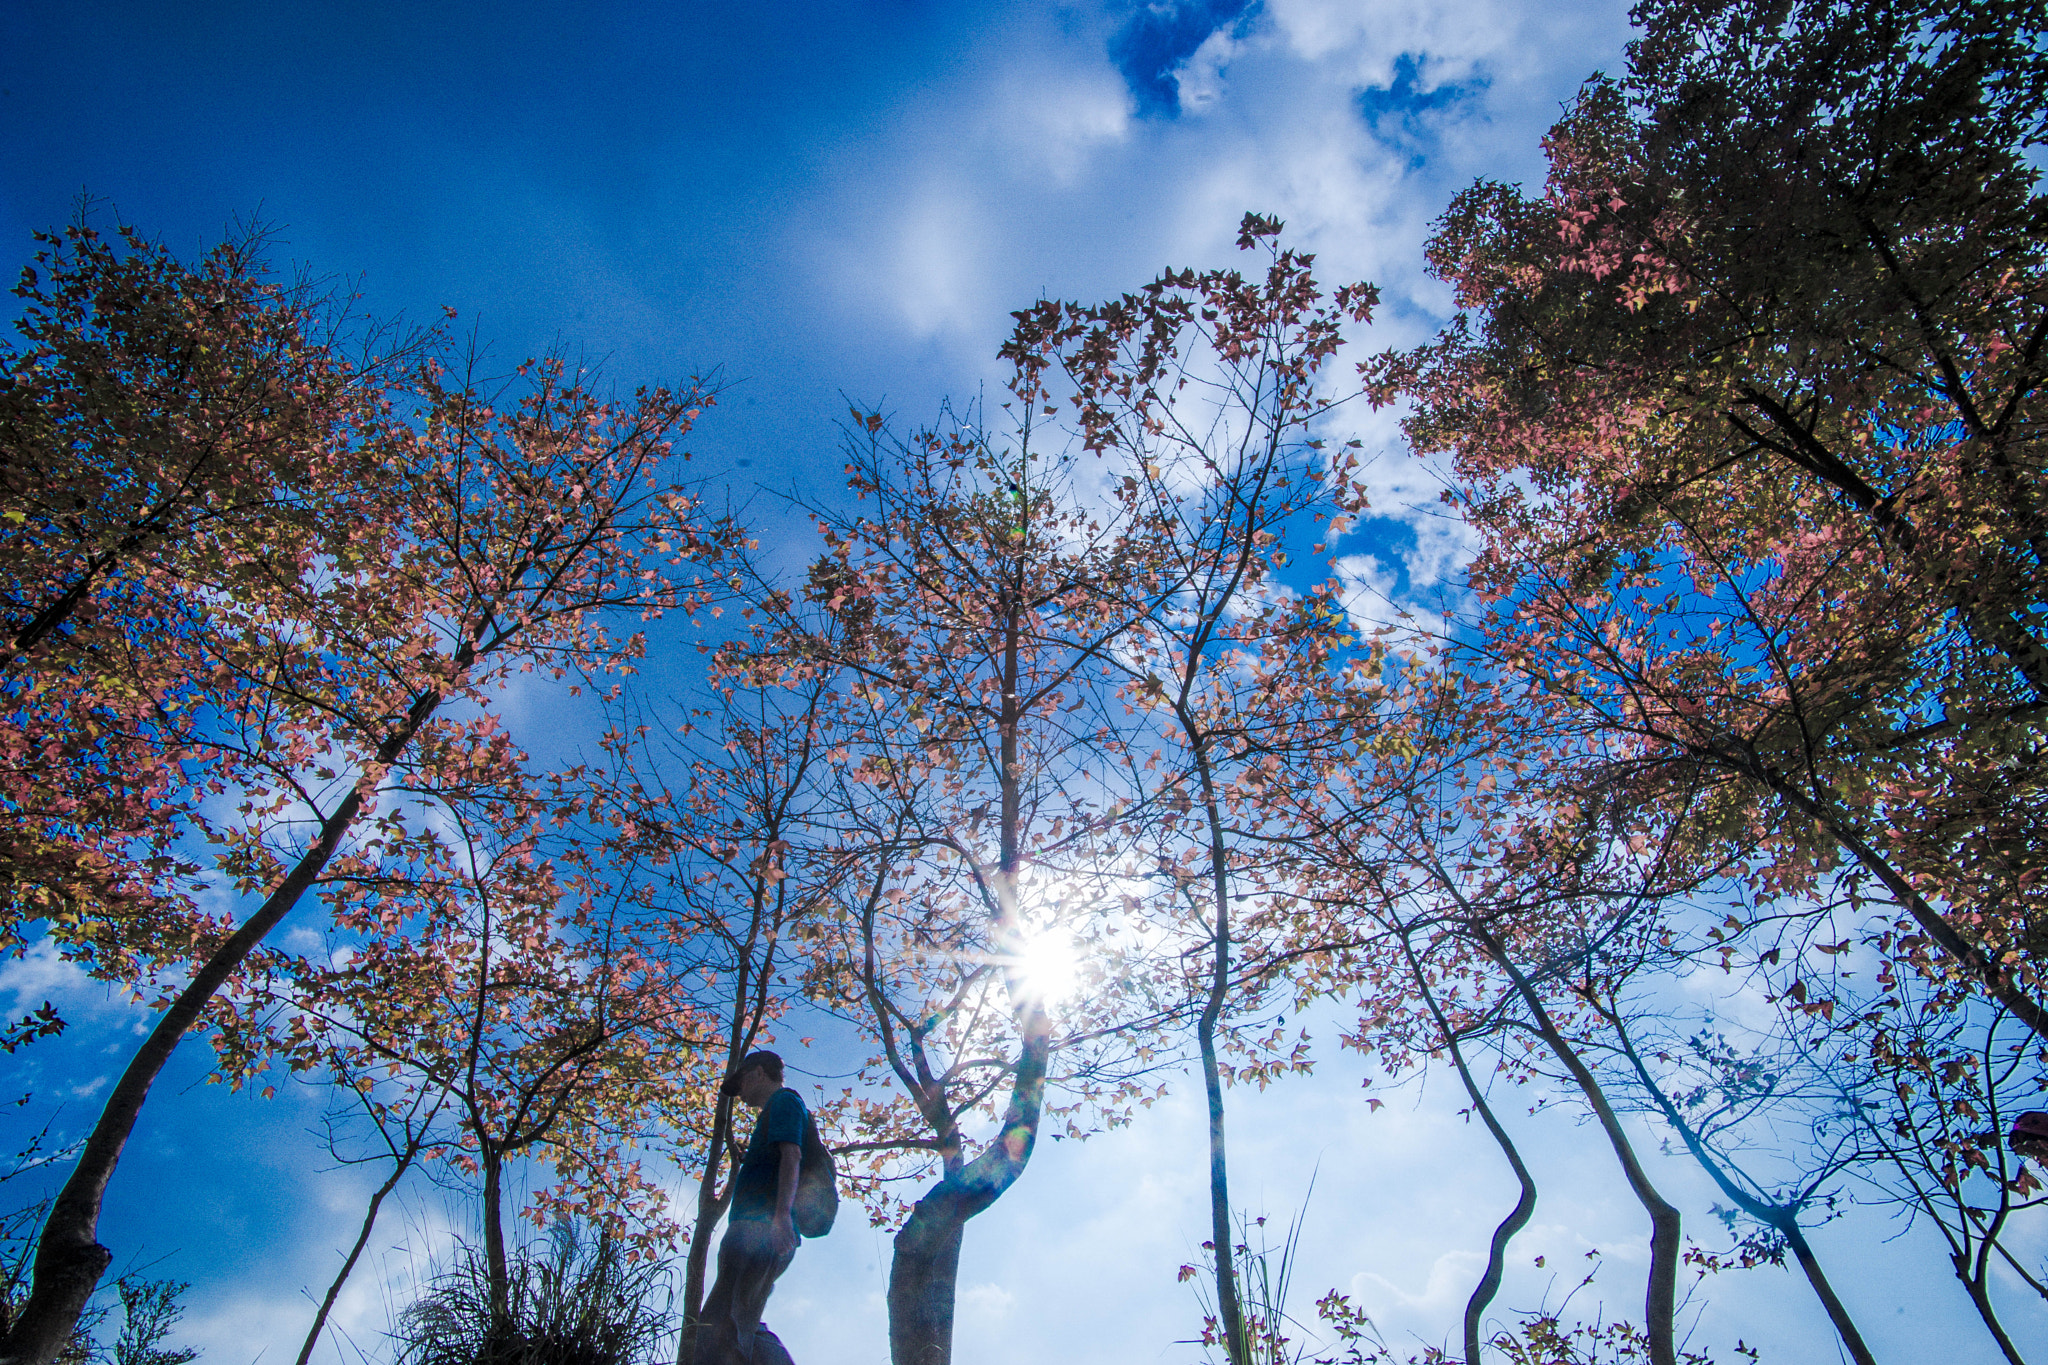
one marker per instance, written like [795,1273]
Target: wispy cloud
[1168,50]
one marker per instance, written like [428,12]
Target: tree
[1748,422]
[149,1311]
[161,425]
[479,544]
[479,981]
[1517,1217]
[1206,389]
[147,403]
[970,609]
[1442,871]
[1739,1089]
[406,1131]
[718,815]
[1945,1073]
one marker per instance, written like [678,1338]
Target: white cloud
[986,1305]
[42,973]
[1371,594]
[935,278]
[1199,79]
[1450,1279]
[1058,120]
[1360,42]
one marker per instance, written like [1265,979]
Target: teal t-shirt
[753,1192]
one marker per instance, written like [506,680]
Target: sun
[1048,965]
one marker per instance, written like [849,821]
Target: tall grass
[574,1300]
[1265,1274]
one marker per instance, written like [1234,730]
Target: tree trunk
[1986,969]
[1783,1216]
[925,1267]
[495,1265]
[1837,1314]
[1660,1300]
[1229,1307]
[1980,1299]
[69,1259]
[1525,1203]
[923,1276]
[711,1205]
[926,1263]
[1497,1248]
[355,1253]
[1229,1312]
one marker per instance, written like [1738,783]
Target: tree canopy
[1060,765]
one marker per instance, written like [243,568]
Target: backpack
[817,1185]
[2029,1136]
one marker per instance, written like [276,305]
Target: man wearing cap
[760,1232]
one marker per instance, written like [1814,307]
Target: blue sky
[820,200]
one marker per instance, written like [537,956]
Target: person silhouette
[760,1232]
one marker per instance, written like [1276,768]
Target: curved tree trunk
[925,1266]
[1497,1248]
[1525,1203]
[1980,1299]
[1660,1301]
[69,1259]
[1782,1216]
[924,1274]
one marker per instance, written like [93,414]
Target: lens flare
[1049,965]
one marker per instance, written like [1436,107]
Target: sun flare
[1049,965]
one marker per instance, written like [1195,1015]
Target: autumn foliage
[1063,761]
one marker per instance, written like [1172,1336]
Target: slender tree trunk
[711,1205]
[1517,1219]
[1229,1306]
[355,1252]
[1810,1264]
[69,1259]
[1229,1312]
[1660,1302]
[1782,1216]
[1980,1299]
[925,1266]
[1525,1203]
[494,1236]
[749,1008]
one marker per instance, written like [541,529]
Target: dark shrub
[573,1300]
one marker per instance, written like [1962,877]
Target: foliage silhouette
[575,1299]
